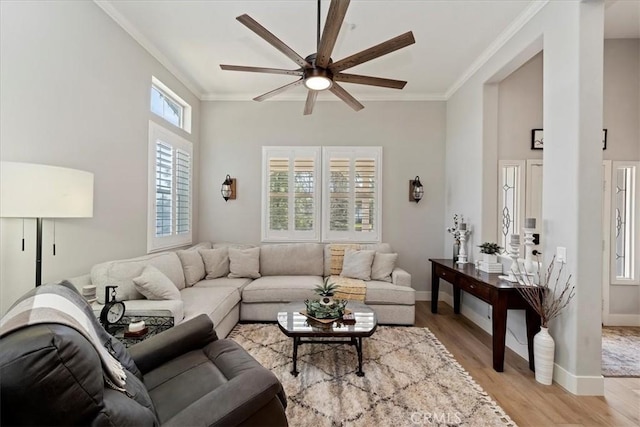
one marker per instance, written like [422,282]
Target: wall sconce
[228,190]
[416,190]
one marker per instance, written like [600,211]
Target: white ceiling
[191,38]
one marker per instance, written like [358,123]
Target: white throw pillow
[244,263]
[357,264]
[153,284]
[216,262]
[192,265]
[383,265]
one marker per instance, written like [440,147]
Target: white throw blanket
[53,306]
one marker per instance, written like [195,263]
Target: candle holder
[528,250]
[462,256]
[514,254]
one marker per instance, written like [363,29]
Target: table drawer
[474,288]
[445,274]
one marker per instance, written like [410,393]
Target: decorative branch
[541,297]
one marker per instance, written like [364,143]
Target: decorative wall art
[537,139]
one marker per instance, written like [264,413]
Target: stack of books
[491,267]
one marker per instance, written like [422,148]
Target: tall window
[352,192]
[510,199]
[166,104]
[290,201]
[170,189]
[625,214]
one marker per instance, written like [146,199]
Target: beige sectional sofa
[273,275]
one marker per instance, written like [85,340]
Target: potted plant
[548,301]
[455,232]
[326,291]
[490,251]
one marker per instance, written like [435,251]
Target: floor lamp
[30,190]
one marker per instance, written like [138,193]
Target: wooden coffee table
[298,326]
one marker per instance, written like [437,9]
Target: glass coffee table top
[292,323]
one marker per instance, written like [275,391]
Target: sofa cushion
[244,263]
[281,289]
[216,262]
[192,265]
[296,259]
[383,265]
[357,264]
[154,285]
[384,293]
[122,272]
[378,247]
[224,282]
[215,302]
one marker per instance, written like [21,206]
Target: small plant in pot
[326,292]
[490,251]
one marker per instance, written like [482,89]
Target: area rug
[621,351]
[410,379]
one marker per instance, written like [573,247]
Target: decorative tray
[304,313]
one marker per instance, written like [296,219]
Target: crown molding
[124,23]
[303,97]
[497,44]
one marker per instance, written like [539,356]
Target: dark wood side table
[500,294]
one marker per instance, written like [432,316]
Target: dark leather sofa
[51,375]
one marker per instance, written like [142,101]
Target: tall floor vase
[543,353]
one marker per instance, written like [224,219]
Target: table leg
[499,332]
[358,344]
[296,341]
[435,286]
[456,299]
[533,327]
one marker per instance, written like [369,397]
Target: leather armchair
[51,375]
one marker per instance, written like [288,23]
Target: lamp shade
[30,190]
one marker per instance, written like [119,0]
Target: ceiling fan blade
[311,101]
[254,26]
[277,91]
[346,97]
[368,80]
[374,52]
[261,70]
[335,16]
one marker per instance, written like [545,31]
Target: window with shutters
[170,190]
[350,206]
[290,197]
[352,194]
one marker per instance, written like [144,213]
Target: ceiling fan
[318,71]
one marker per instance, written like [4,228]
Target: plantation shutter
[352,196]
[290,194]
[170,188]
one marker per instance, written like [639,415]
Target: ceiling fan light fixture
[317,79]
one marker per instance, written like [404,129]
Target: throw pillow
[244,263]
[192,266]
[216,262]
[357,264]
[337,256]
[383,265]
[153,284]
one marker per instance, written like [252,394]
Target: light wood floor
[527,402]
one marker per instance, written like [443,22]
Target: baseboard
[578,385]
[622,320]
[423,295]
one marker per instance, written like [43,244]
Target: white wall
[75,93]
[520,110]
[571,34]
[412,135]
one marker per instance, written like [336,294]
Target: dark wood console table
[500,294]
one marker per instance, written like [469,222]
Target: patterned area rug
[410,379]
[621,351]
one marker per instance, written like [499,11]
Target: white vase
[543,354]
